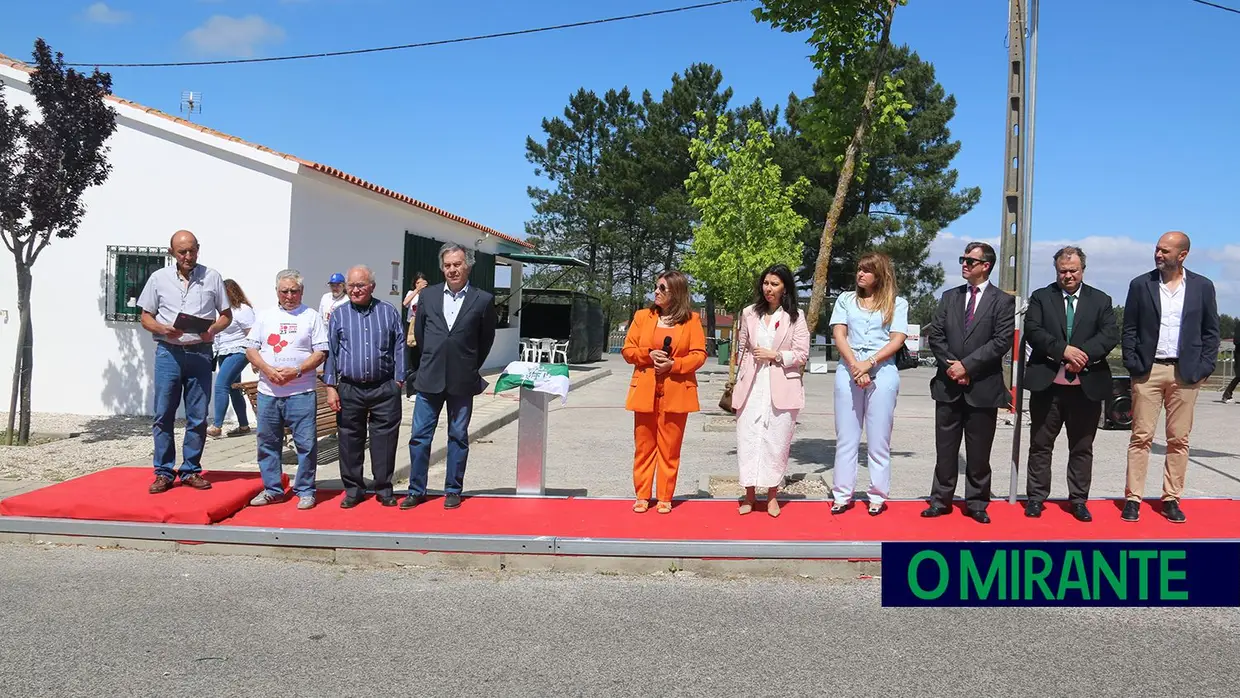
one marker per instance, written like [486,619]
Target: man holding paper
[183,306]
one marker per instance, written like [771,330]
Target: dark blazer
[1094,331]
[452,359]
[1199,333]
[981,349]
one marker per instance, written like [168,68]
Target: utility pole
[1015,237]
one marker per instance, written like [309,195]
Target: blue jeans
[231,366]
[425,418]
[181,371]
[296,412]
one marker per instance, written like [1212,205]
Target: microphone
[667,345]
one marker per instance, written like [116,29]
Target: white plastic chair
[559,349]
[529,350]
[545,348]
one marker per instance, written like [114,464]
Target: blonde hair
[678,309]
[883,296]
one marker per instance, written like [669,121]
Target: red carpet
[1208,519]
[120,494]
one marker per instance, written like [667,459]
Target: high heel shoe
[772,508]
[876,509]
[641,505]
[664,508]
[838,508]
[745,508]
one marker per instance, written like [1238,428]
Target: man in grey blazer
[455,327]
[972,330]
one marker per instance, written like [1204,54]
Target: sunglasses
[971,261]
[289,291]
[661,287]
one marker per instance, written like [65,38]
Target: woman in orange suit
[664,387]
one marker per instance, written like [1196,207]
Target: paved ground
[85,622]
[591,442]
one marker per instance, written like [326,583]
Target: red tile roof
[317,167]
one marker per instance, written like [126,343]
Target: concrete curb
[500,563]
[499,421]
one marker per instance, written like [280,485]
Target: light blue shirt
[866,331]
[452,303]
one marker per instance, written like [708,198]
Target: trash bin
[724,348]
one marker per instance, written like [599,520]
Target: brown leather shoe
[161,484]
[196,481]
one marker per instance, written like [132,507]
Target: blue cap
[337,278]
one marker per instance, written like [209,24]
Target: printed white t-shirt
[327,304]
[286,338]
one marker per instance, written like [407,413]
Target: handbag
[410,339]
[905,359]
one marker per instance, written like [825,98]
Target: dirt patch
[796,486]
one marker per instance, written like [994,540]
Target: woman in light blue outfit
[229,347]
[868,326]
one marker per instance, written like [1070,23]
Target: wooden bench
[324,417]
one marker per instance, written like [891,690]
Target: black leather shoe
[387,500]
[452,500]
[411,501]
[1171,510]
[1081,512]
[935,510]
[1033,508]
[980,517]
[1132,511]
[350,502]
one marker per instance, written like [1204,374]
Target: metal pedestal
[532,442]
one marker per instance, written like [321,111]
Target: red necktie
[968,312]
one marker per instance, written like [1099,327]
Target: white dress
[763,433]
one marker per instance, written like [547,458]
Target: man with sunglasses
[972,330]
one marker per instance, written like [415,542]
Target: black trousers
[1231,387]
[373,407]
[413,358]
[1049,411]
[954,421]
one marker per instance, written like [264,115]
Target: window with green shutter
[127,272]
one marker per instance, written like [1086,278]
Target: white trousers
[872,408]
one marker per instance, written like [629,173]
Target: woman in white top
[773,339]
[229,347]
[413,353]
[869,326]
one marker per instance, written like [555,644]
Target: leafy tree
[905,195]
[747,220]
[45,166]
[841,32]
[1226,326]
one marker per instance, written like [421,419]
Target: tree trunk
[19,432]
[819,294]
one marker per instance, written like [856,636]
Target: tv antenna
[191,103]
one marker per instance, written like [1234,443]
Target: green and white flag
[545,378]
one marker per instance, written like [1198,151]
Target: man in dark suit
[972,330]
[455,326]
[1170,341]
[1071,328]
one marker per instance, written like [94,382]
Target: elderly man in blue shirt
[364,374]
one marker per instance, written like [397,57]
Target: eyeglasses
[971,261]
[358,287]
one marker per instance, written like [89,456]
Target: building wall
[336,225]
[165,177]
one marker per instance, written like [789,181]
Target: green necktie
[1071,315]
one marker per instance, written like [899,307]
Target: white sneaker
[263,499]
[1228,400]
[306,501]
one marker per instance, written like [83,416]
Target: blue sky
[1135,124]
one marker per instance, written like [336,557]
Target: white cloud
[233,36]
[1113,261]
[100,13]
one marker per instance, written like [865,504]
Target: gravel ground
[101,442]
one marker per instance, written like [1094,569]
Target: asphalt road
[86,622]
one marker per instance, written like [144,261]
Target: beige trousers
[1150,394]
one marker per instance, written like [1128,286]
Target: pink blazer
[787,390]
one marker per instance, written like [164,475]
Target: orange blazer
[688,355]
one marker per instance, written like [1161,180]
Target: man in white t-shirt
[286,344]
[334,298]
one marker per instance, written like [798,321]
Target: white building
[255,211]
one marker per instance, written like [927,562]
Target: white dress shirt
[1169,324]
[452,303]
[981,291]
[1061,378]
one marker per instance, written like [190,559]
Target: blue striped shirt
[366,344]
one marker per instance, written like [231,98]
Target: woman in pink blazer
[773,341]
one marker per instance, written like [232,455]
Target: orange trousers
[657,437]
